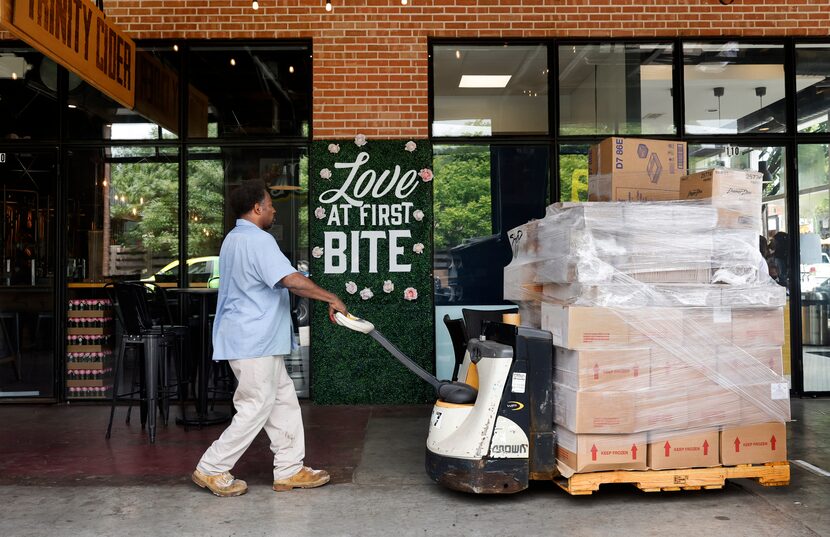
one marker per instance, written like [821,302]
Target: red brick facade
[370,56]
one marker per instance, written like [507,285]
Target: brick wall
[370,56]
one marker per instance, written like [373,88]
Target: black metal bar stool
[4,332]
[151,340]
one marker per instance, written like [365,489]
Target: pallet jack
[493,433]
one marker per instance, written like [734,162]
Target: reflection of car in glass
[814,275]
[205,270]
[200,270]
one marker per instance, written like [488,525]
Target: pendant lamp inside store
[328,5]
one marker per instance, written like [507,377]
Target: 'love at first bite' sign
[370,235]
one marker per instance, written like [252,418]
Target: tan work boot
[306,478]
[222,484]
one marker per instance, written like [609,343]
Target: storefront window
[28,266]
[123,214]
[484,192]
[91,115]
[28,95]
[254,91]
[121,195]
[814,235]
[616,88]
[770,161]
[211,174]
[812,81]
[488,90]
[734,88]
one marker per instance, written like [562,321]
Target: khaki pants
[265,398]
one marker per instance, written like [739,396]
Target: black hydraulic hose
[405,360]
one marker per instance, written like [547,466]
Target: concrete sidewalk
[380,488]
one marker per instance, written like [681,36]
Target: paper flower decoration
[388,286]
[316,252]
[410,146]
[366,293]
[334,148]
[418,215]
[418,248]
[360,140]
[351,288]
[410,293]
[325,173]
[320,213]
[425,175]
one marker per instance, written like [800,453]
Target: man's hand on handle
[335,306]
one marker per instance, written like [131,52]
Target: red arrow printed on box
[737,445]
[705,447]
[667,447]
[594,452]
[596,371]
[772,442]
[634,452]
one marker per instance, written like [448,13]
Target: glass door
[27,266]
[814,239]
[774,239]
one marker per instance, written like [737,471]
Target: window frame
[789,139]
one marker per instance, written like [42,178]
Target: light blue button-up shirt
[253,311]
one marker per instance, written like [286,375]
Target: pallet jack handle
[451,392]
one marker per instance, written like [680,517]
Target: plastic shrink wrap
[668,332]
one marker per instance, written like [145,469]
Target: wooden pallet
[774,474]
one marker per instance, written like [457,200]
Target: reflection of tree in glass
[813,172]
[150,207]
[462,194]
[205,200]
[302,236]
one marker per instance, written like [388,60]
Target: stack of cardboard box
[667,327]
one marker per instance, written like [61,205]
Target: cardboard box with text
[753,444]
[635,169]
[577,453]
[606,369]
[586,412]
[684,449]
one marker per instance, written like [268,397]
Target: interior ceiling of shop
[739,71]
[526,64]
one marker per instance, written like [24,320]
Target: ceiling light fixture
[457,54]
[484,81]
[404,2]
[255,5]
[328,5]
[233,62]
[760,91]
[290,68]
[175,48]
[718,91]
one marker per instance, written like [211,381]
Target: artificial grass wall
[350,367]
